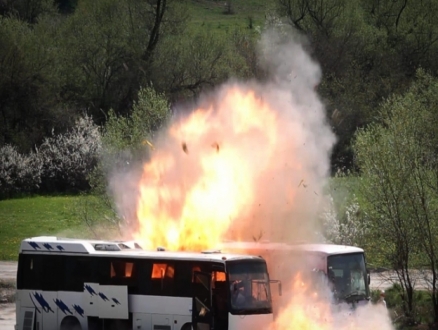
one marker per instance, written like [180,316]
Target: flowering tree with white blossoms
[346,226]
[68,159]
[18,173]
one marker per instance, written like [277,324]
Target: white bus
[341,267]
[72,284]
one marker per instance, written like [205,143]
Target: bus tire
[187,326]
[70,323]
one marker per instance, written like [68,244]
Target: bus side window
[144,269]
[104,271]
[52,270]
[124,272]
[184,277]
[162,279]
[77,271]
[31,272]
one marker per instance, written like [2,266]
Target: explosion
[235,168]
[309,306]
[183,211]
[249,162]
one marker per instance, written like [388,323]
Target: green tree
[126,140]
[186,65]
[108,49]
[367,50]
[29,85]
[26,10]
[397,157]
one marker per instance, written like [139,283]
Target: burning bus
[75,284]
[339,269]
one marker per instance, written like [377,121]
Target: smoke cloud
[286,179]
[249,162]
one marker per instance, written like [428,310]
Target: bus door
[202,312]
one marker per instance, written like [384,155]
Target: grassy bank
[213,15]
[27,217]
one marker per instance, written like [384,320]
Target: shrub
[126,140]
[67,159]
[18,173]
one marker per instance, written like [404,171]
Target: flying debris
[256,239]
[216,146]
[146,142]
[184,148]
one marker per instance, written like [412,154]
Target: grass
[46,216]
[211,14]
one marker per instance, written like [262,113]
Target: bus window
[348,275]
[158,271]
[30,272]
[162,279]
[219,276]
[77,271]
[121,269]
[195,269]
[249,287]
[184,277]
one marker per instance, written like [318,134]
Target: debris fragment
[216,146]
[300,183]
[184,148]
[146,142]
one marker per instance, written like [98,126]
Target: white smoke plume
[286,180]
[248,163]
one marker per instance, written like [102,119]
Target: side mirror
[368,277]
[279,285]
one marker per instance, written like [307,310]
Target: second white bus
[342,268]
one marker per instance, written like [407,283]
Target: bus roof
[130,249]
[327,249]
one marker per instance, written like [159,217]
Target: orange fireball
[190,193]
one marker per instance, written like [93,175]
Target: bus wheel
[70,323]
[187,326]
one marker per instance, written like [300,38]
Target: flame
[204,177]
[306,309]
[310,307]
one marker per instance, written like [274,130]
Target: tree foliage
[397,157]
[62,163]
[128,139]
[368,50]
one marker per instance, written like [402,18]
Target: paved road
[386,279]
[8,270]
[7,316]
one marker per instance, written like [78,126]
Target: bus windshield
[348,275]
[249,288]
